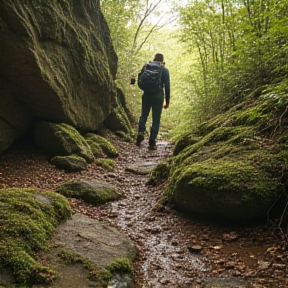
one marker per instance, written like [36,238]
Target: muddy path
[174,250]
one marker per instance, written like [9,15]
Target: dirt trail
[174,251]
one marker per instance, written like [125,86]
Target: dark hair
[158,57]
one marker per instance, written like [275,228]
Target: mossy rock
[228,174]
[185,140]
[96,149]
[159,174]
[224,188]
[108,164]
[126,137]
[107,148]
[70,163]
[61,140]
[28,219]
[93,192]
[234,171]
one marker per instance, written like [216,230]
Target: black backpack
[149,80]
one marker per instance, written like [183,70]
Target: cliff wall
[57,63]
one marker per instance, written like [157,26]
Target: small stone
[229,237]
[195,248]
[174,243]
[279,266]
[230,265]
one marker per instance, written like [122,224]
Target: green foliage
[26,226]
[136,39]
[240,47]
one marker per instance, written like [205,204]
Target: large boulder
[57,63]
[228,168]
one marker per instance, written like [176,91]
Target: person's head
[159,57]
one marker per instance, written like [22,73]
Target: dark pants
[154,102]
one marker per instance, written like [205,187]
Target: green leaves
[241,45]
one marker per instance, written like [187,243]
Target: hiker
[153,97]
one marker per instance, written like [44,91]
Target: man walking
[153,98]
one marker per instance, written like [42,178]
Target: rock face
[57,63]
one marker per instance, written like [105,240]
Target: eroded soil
[174,250]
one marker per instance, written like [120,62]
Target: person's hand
[166,106]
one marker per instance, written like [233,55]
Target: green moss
[119,120]
[221,134]
[237,159]
[107,164]
[72,258]
[107,148]
[126,137]
[26,226]
[96,149]
[184,141]
[251,115]
[226,176]
[120,265]
[70,163]
[62,140]
[94,193]
[159,174]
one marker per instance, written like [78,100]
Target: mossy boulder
[93,192]
[28,219]
[70,163]
[98,142]
[225,188]
[59,65]
[230,167]
[61,139]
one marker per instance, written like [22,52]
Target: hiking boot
[152,145]
[140,138]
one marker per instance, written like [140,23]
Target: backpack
[149,80]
